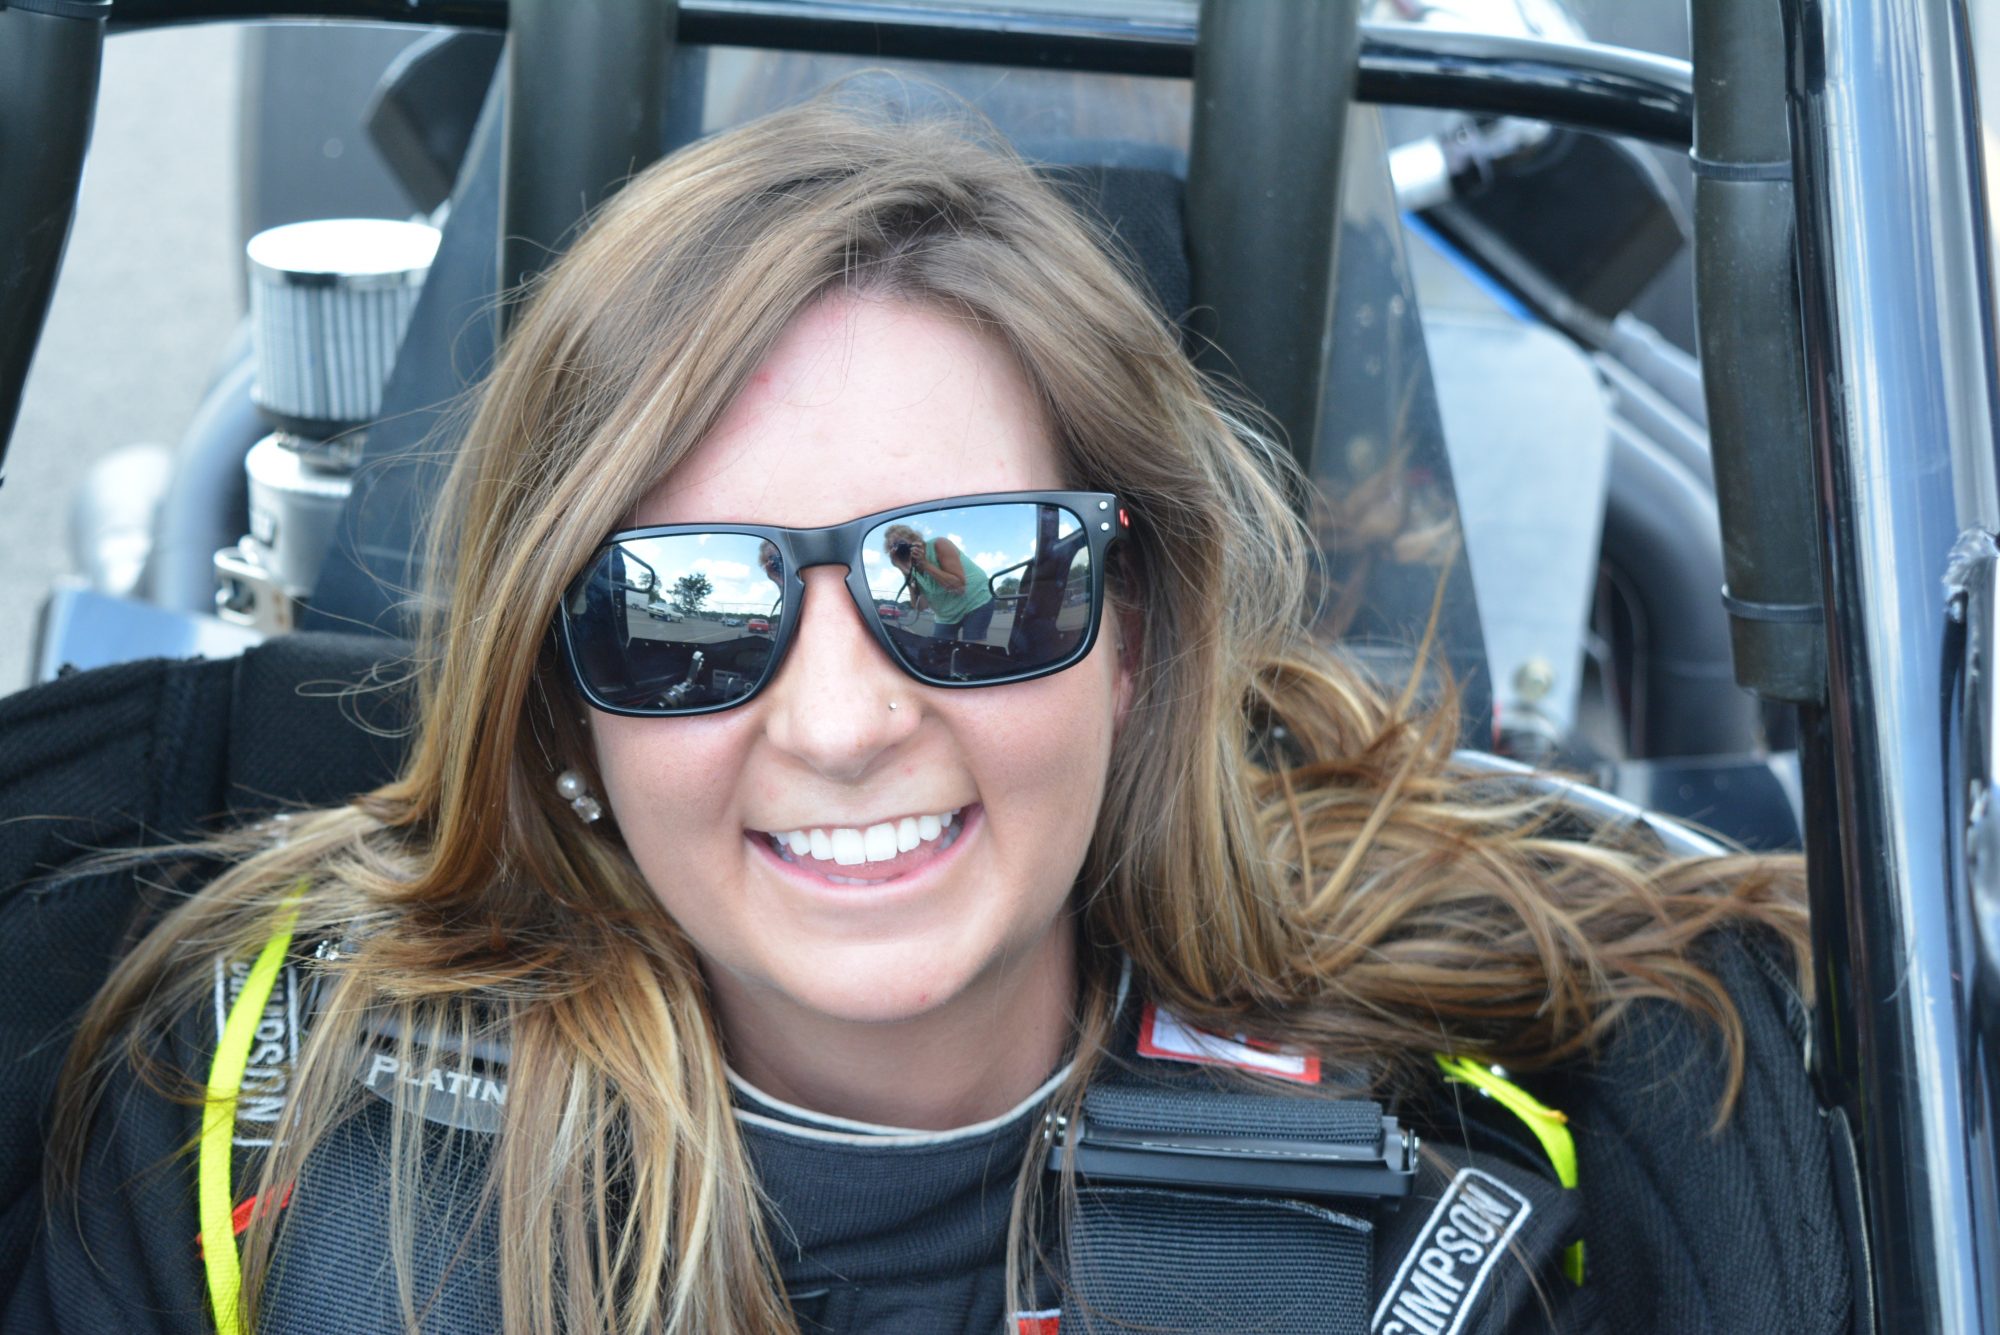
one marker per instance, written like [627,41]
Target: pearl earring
[577,793]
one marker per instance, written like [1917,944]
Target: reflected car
[664,614]
[889,612]
[761,625]
[732,621]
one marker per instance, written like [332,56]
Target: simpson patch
[274,1052]
[1447,1266]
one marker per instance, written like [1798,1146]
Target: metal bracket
[1385,1169]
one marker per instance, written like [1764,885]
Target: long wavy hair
[1281,850]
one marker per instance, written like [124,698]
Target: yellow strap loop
[214,1194]
[1550,1127]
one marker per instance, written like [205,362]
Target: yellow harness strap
[1549,1126]
[214,1194]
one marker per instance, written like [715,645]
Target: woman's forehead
[864,404]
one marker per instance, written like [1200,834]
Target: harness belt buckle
[1382,1167]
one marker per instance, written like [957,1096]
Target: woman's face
[862,406]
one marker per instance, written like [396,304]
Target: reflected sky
[996,537]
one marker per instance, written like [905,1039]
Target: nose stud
[894,706]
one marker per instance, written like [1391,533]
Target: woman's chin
[877,984]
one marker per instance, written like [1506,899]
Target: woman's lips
[836,875]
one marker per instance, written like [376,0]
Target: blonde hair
[1343,886]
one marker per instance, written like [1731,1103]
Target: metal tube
[1607,89]
[586,85]
[49,65]
[1747,290]
[1271,91]
[1899,365]
[134,15]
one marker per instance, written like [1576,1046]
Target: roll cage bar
[1852,183]
[1612,89]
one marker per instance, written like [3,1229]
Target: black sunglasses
[966,591]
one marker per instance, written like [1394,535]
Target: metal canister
[329,303]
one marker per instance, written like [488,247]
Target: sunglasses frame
[1101,513]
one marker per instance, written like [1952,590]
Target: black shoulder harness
[1207,1199]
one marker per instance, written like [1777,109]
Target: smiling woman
[838,990]
[883,912]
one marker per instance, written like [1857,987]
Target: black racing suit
[887,1233]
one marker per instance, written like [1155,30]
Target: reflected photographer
[941,577]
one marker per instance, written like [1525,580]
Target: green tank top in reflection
[948,605]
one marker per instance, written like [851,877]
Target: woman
[954,587]
[668,994]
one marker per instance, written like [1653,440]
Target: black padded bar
[586,84]
[1271,90]
[1747,300]
[49,65]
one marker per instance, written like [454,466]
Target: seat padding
[133,756]
[160,750]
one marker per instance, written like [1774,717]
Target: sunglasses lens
[982,593]
[679,623]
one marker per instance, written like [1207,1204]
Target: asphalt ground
[146,300]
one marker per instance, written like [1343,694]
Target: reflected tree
[689,592]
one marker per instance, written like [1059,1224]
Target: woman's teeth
[847,846]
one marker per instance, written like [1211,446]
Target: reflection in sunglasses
[686,621]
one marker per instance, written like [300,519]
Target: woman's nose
[830,702]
